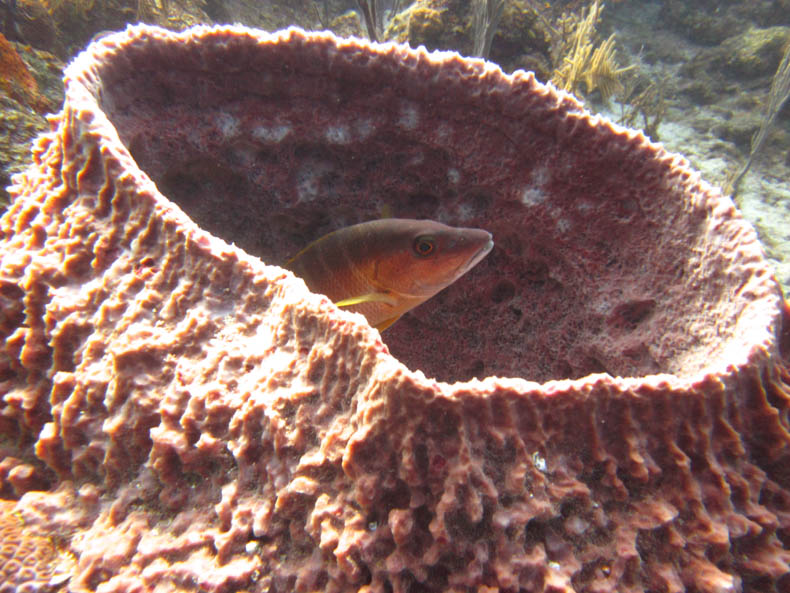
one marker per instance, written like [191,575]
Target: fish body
[385,267]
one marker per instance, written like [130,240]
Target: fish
[384,268]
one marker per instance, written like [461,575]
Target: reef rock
[179,413]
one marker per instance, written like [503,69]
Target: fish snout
[471,239]
[477,243]
[487,246]
[482,240]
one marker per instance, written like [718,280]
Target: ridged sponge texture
[600,405]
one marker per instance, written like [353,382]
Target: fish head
[425,256]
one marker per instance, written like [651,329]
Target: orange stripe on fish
[383,268]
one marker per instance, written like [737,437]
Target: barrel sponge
[601,404]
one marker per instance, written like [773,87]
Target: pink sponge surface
[600,405]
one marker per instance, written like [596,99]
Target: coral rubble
[179,413]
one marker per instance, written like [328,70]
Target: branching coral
[779,93]
[643,106]
[485,17]
[377,14]
[582,62]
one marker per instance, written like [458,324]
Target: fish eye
[424,246]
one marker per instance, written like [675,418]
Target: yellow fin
[371,297]
[386,323]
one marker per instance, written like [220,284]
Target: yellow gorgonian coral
[582,62]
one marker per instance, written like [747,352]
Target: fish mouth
[475,259]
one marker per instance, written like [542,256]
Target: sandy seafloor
[764,195]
